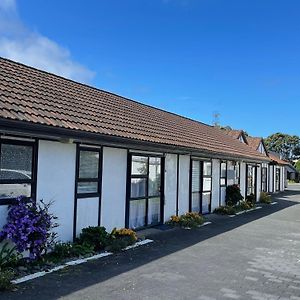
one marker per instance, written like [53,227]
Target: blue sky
[239,58]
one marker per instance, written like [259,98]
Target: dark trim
[177,186]
[34,162]
[75,192]
[162,189]
[78,180]
[201,184]
[128,187]
[220,179]
[100,176]
[190,184]
[57,133]
[255,182]
[146,197]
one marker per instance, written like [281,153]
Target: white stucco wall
[243,179]
[87,213]
[215,184]
[258,185]
[114,175]
[56,182]
[170,185]
[183,191]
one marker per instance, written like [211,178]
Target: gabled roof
[31,96]
[254,142]
[236,134]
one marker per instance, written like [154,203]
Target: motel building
[107,160]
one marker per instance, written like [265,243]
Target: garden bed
[43,270]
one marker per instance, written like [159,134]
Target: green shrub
[233,195]
[69,250]
[94,236]
[189,219]
[225,210]
[243,205]
[6,276]
[121,238]
[251,200]
[265,198]
[9,257]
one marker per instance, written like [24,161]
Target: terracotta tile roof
[277,160]
[34,96]
[234,133]
[254,142]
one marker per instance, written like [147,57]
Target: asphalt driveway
[251,256]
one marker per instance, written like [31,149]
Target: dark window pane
[154,176]
[223,169]
[139,165]
[15,162]
[207,168]
[195,202]
[195,176]
[205,202]
[87,187]
[88,164]
[153,211]
[137,212]
[8,191]
[138,187]
[207,184]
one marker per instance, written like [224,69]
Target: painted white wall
[114,175]
[243,179]
[56,182]
[215,184]
[258,185]
[87,213]
[170,185]
[183,191]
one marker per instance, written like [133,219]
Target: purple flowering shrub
[29,226]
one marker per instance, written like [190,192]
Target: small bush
[265,198]
[243,205]
[121,238]
[251,200]
[6,276]
[189,219]
[225,210]
[29,226]
[233,195]
[94,236]
[9,257]
[69,250]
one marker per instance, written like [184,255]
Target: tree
[287,145]
[297,166]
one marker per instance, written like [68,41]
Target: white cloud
[8,5]
[19,43]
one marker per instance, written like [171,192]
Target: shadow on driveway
[68,281]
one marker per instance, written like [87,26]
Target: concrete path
[251,256]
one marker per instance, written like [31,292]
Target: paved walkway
[251,256]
